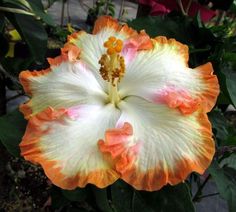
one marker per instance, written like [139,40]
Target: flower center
[112,67]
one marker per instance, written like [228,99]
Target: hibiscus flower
[118,104]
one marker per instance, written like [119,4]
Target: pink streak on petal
[177,98]
[129,50]
[73,112]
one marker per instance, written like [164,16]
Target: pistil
[112,68]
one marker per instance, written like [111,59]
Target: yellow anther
[112,39]
[112,64]
[107,44]
[118,49]
[112,67]
[111,51]
[119,42]
[113,45]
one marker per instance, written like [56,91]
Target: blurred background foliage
[28,35]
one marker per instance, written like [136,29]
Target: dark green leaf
[4,46]
[182,29]
[2,22]
[231,140]
[230,161]
[160,26]
[78,194]
[233,8]
[38,9]
[123,193]
[219,124]
[15,65]
[101,199]
[231,85]
[225,183]
[170,198]
[33,32]
[16,4]
[229,56]
[222,5]
[58,200]
[12,128]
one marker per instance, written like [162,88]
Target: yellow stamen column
[112,68]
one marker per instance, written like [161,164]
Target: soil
[24,187]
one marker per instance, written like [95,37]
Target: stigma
[112,63]
[112,67]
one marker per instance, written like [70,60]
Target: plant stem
[14,97]
[68,11]
[62,11]
[188,6]
[208,195]
[179,2]
[219,18]
[132,201]
[121,9]
[2,95]
[199,191]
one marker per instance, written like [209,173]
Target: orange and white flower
[118,104]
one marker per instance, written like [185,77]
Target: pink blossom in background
[161,7]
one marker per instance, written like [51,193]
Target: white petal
[163,141]
[69,141]
[67,85]
[153,71]
[92,50]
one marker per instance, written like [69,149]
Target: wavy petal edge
[159,176]
[31,151]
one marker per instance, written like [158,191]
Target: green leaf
[65,200]
[79,194]
[231,85]
[101,199]
[159,26]
[21,4]
[181,28]
[122,192]
[231,140]
[222,128]
[230,161]
[169,198]
[219,124]
[226,184]
[4,46]
[15,65]
[38,9]
[33,33]
[12,128]
[2,22]
[58,200]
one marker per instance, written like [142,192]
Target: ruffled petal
[164,68]
[64,143]
[64,85]
[154,145]
[92,45]
[109,23]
